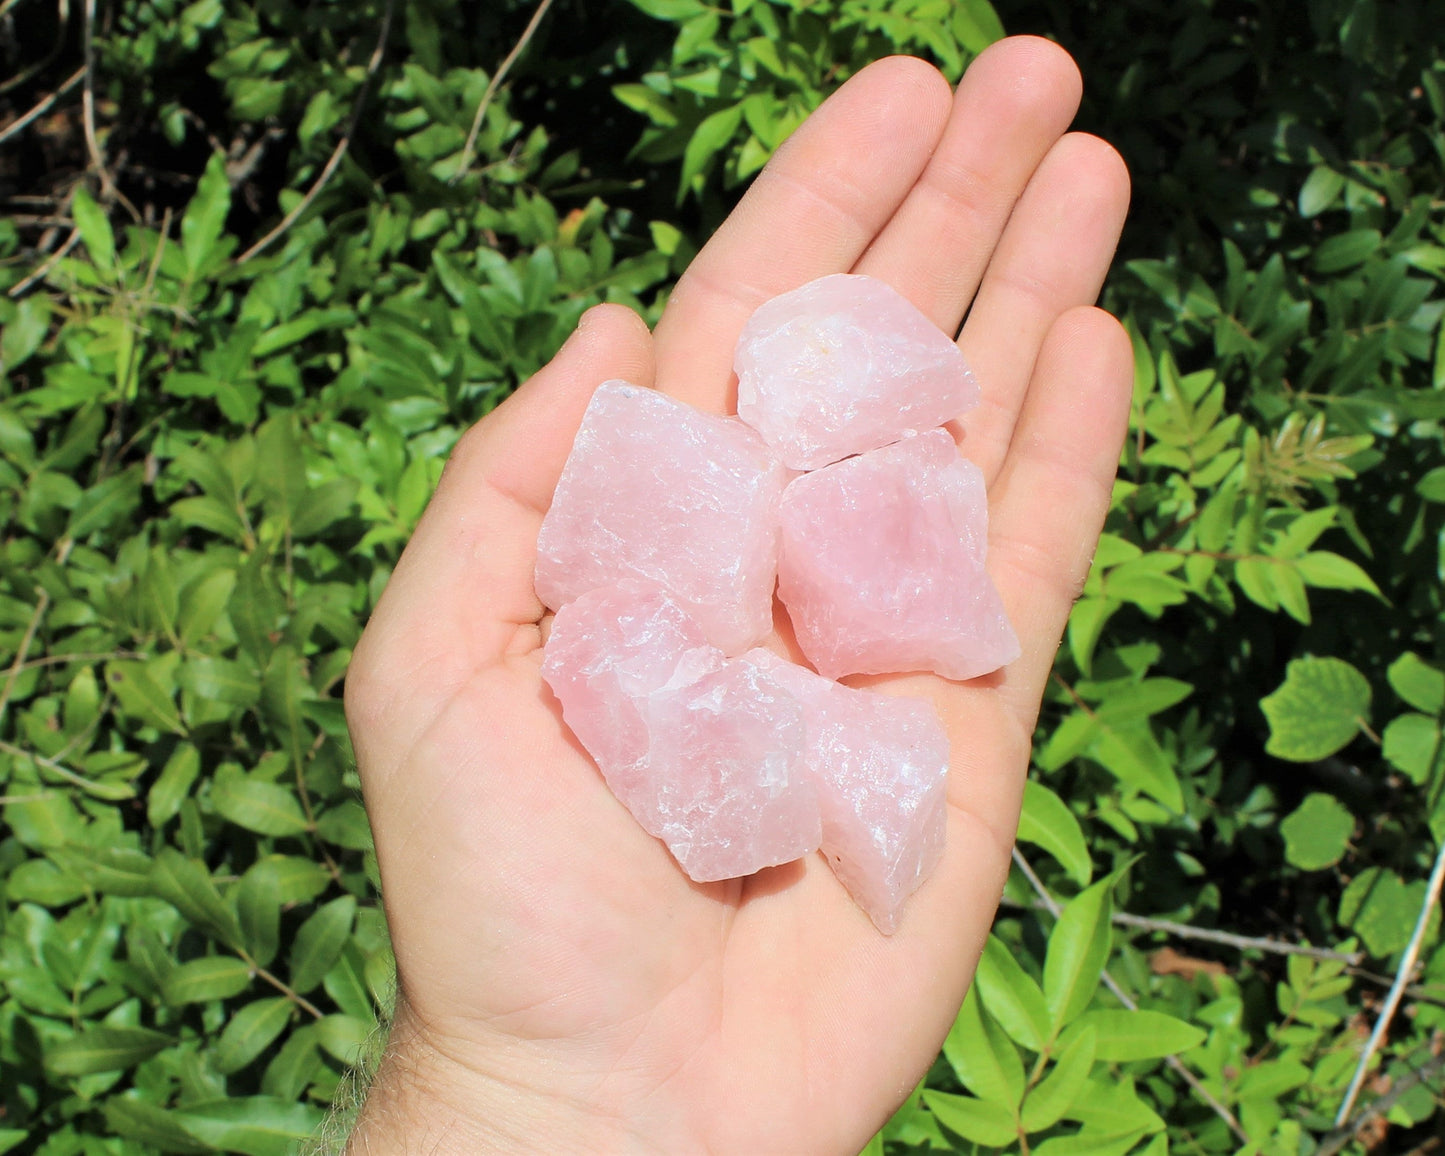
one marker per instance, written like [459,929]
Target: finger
[1053,256]
[1014,102]
[461,595]
[1053,492]
[811,211]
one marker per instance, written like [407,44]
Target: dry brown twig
[40,109]
[469,149]
[338,154]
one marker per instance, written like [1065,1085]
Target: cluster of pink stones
[668,533]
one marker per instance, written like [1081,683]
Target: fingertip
[1039,62]
[614,336]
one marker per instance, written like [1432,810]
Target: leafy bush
[211,456]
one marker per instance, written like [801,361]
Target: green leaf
[249,1033]
[133,1118]
[1078,948]
[266,808]
[163,801]
[187,886]
[106,505]
[1062,1087]
[975,1120]
[1320,190]
[319,942]
[94,229]
[279,467]
[205,219]
[670,9]
[1047,822]
[103,1049]
[1089,1144]
[251,1125]
[1331,572]
[1411,742]
[1382,908]
[1122,1036]
[139,694]
[1112,1107]
[345,825]
[295,1066]
[976,24]
[1418,683]
[258,909]
[320,507]
[1317,709]
[344,1037]
[1134,756]
[1317,833]
[112,870]
[1011,996]
[1346,250]
[208,978]
[202,604]
[707,140]
[983,1057]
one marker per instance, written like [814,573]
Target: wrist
[425,1099]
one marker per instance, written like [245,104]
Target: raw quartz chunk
[843,365]
[882,565]
[688,501]
[880,765]
[706,753]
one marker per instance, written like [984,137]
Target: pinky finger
[1049,502]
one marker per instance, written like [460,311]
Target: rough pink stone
[705,753]
[882,564]
[880,765]
[843,365]
[657,490]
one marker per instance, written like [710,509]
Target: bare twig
[469,149]
[1337,1139]
[43,107]
[1397,989]
[280,985]
[92,141]
[44,270]
[342,146]
[1124,998]
[1229,939]
[1226,938]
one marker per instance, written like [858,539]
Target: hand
[563,987]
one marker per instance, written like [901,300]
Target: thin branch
[1124,998]
[342,146]
[469,149]
[51,765]
[92,141]
[280,985]
[1342,1135]
[43,107]
[45,269]
[1226,938]
[1241,942]
[1397,990]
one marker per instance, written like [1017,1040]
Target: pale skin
[563,987]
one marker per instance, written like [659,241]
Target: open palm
[563,985]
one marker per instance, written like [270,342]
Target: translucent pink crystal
[880,765]
[705,753]
[657,490]
[882,564]
[843,365]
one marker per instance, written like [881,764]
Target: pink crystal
[880,765]
[657,490]
[705,753]
[843,365]
[882,564]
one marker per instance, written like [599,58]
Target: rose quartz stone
[882,564]
[688,501]
[843,365]
[880,765]
[705,753]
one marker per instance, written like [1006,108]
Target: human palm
[562,985]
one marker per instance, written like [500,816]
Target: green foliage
[208,467]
